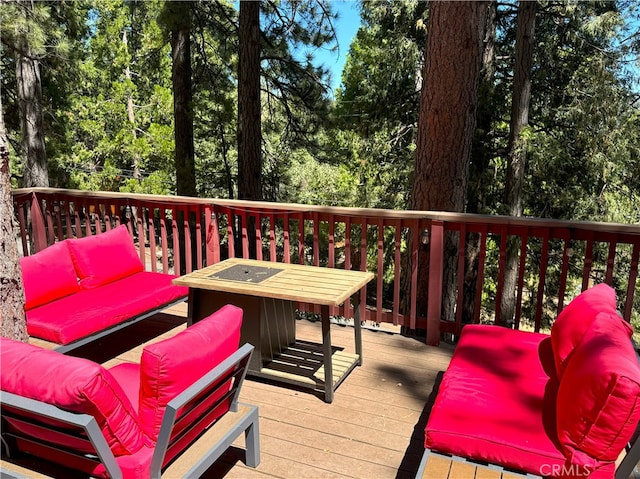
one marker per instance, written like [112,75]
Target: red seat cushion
[598,404]
[48,275]
[496,402]
[105,257]
[575,320]
[89,311]
[74,384]
[170,366]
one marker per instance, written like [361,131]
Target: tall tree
[249,122]
[12,317]
[29,82]
[453,59]
[517,146]
[179,15]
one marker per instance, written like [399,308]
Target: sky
[346,27]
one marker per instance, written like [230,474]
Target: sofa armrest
[169,445]
[53,421]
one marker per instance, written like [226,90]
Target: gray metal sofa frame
[626,469]
[209,446]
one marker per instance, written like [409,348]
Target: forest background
[106,76]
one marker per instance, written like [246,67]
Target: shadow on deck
[373,429]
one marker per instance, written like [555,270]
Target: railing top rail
[447,217]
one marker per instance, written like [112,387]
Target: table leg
[356,324]
[326,350]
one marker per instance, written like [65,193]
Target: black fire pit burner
[246,274]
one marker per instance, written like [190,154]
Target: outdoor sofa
[132,420]
[78,290]
[560,405]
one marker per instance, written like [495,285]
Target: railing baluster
[301,253]
[380,272]
[544,259]
[287,240]
[77,207]
[397,274]
[198,213]
[212,235]
[96,218]
[524,238]
[347,260]
[177,264]
[316,240]
[188,253]
[152,239]
[611,259]
[23,229]
[462,250]
[331,253]
[68,219]
[273,256]
[51,235]
[415,245]
[37,225]
[59,231]
[363,267]
[87,219]
[588,261]
[502,261]
[565,235]
[477,306]
[258,229]
[163,239]
[231,242]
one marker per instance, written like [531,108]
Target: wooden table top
[295,282]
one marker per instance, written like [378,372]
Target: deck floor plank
[373,428]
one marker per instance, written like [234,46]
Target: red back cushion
[168,367]
[574,321]
[105,257]
[48,275]
[74,384]
[598,405]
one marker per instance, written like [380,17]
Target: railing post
[38,229]
[436,269]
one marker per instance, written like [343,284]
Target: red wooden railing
[557,260]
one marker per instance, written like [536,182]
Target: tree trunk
[31,118]
[446,125]
[517,156]
[13,323]
[480,160]
[182,99]
[249,122]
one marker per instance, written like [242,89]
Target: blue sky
[346,27]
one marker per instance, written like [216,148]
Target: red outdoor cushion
[496,402]
[48,275]
[575,320]
[74,384]
[168,367]
[105,257]
[89,311]
[598,403]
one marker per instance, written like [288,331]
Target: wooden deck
[373,428]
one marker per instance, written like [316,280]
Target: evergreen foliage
[360,146]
